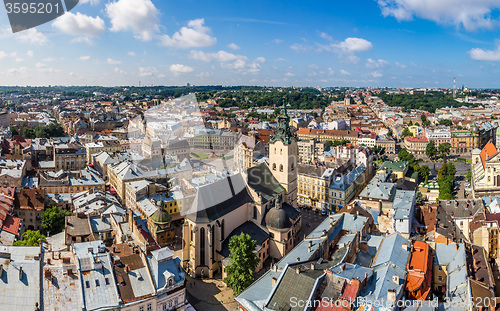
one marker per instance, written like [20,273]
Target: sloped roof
[488,151]
[248,227]
[262,181]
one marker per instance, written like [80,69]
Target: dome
[277,218]
[161,216]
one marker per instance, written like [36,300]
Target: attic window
[97,283]
[107,281]
[87,284]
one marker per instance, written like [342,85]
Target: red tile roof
[418,281]
[488,151]
[417,139]
[12,225]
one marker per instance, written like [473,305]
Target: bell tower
[283,154]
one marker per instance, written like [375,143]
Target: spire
[283,131]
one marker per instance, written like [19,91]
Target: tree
[468,176]
[378,152]
[30,238]
[423,172]
[28,133]
[410,123]
[419,197]
[53,219]
[430,150]
[242,264]
[14,131]
[423,118]
[444,149]
[445,122]
[406,132]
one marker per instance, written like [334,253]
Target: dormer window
[170,282]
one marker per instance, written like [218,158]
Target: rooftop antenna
[454,88]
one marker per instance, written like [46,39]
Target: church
[260,201]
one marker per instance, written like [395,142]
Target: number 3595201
[32,8]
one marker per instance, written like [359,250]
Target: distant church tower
[283,154]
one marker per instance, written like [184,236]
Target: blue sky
[400,43]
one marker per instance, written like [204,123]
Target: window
[149,308]
[254,212]
[440,278]
[141,308]
[274,166]
[222,230]
[202,246]
[281,167]
[87,284]
[97,283]
[176,301]
[107,281]
[164,307]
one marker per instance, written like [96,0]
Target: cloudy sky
[408,43]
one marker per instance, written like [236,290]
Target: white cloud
[344,72]
[44,68]
[93,2]
[3,55]
[379,63]
[354,45]
[326,36]
[297,47]
[113,61]
[179,68]
[138,16]
[120,71]
[19,60]
[289,74]
[131,53]
[194,35]
[230,61]
[471,14]
[233,46]
[32,36]
[147,71]
[400,65]
[85,57]
[79,24]
[30,53]
[21,70]
[486,55]
[313,66]
[277,41]
[375,74]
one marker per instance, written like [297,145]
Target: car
[323,212]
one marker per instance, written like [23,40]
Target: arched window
[254,212]
[292,167]
[202,246]
[222,230]
[281,167]
[169,282]
[274,166]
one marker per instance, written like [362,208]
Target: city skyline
[393,43]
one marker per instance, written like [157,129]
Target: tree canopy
[430,150]
[53,219]
[30,238]
[446,179]
[243,261]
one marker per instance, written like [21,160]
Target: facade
[345,187]
[486,171]
[386,142]
[310,150]
[416,145]
[438,136]
[313,183]
[464,141]
[69,156]
[328,135]
[247,151]
[29,205]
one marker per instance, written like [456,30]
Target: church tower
[283,154]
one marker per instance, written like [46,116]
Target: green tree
[468,176]
[243,261]
[423,172]
[419,197]
[30,238]
[430,149]
[53,219]
[378,152]
[423,118]
[28,133]
[406,132]
[445,122]
[410,123]
[444,149]
[14,131]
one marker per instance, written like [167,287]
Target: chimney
[298,258]
[342,267]
[20,273]
[391,295]
[297,270]
[274,281]
[312,265]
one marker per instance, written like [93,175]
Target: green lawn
[199,155]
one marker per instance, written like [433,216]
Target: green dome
[161,216]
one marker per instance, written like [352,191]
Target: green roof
[395,166]
[262,181]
